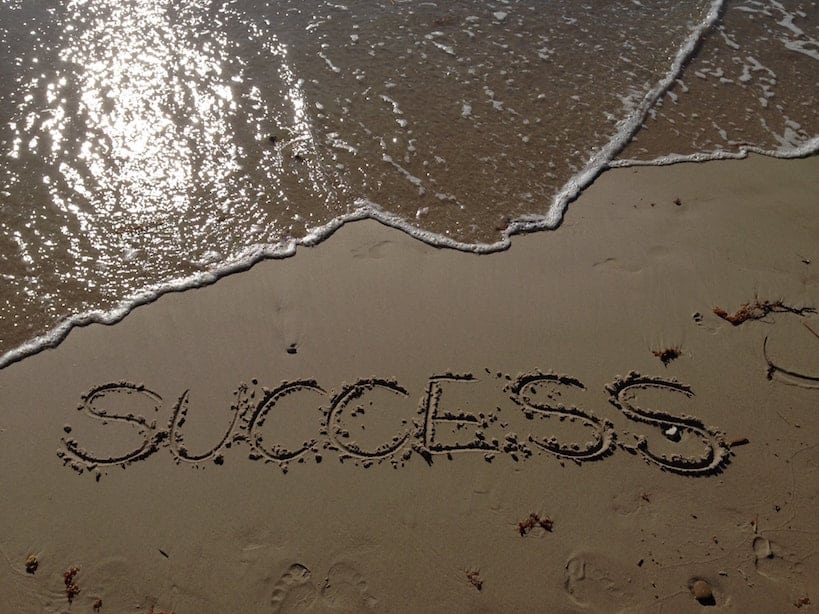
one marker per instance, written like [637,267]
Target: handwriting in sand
[335,424]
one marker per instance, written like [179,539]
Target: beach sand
[422,430]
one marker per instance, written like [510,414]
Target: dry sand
[434,391]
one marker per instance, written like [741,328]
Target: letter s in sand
[716,452]
[105,403]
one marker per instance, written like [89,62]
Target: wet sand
[376,424]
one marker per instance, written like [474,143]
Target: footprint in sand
[594,581]
[294,592]
[343,590]
[773,561]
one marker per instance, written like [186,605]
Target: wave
[637,112]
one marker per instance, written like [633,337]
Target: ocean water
[148,145]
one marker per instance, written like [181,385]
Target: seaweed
[756,310]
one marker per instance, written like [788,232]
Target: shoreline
[254,256]
[382,425]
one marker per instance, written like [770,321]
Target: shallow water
[148,145]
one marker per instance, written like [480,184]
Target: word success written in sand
[376,420]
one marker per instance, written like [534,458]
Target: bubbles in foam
[743,91]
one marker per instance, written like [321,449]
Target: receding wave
[151,146]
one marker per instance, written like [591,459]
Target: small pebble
[702,591]
[672,433]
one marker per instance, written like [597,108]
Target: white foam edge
[631,124]
[366,210]
[806,149]
[242,262]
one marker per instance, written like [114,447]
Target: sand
[379,425]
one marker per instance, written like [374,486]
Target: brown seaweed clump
[475,579]
[666,355]
[535,520]
[71,587]
[756,310]
[32,563]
